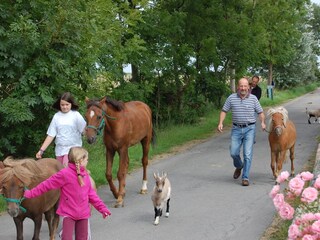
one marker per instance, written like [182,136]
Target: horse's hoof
[119,204]
[143,191]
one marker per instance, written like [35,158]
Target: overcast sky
[316,1]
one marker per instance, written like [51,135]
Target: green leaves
[15,111]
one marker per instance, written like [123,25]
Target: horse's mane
[26,170]
[117,105]
[93,102]
[272,111]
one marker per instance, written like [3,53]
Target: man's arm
[221,119]
[262,119]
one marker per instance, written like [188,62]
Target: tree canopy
[183,53]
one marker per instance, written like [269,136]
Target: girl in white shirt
[66,128]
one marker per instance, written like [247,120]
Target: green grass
[173,136]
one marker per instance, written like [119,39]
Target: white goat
[161,196]
[313,113]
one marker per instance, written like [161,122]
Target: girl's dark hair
[66,97]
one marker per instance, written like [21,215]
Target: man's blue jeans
[242,137]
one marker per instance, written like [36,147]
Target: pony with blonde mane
[282,137]
[18,175]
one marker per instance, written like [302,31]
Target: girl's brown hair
[68,98]
[76,155]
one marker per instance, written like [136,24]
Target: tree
[281,20]
[46,47]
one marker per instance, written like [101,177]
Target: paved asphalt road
[207,203]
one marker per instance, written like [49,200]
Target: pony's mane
[26,170]
[272,111]
[118,105]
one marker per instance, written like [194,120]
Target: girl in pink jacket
[75,197]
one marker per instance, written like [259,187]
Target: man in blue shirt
[243,106]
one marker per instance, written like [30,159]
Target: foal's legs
[109,159]
[145,148]
[122,173]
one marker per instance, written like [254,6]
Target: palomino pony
[15,177]
[125,124]
[282,137]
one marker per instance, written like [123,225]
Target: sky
[316,1]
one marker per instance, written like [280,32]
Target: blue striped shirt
[243,110]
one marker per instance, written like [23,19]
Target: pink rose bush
[303,192]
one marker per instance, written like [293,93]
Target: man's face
[243,87]
[254,82]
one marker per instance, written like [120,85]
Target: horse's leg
[145,148]
[48,217]
[37,226]
[53,221]
[109,160]
[292,159]
[122,172]
[19,227]
[281,159]
[273,163]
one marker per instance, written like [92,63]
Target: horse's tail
[154,138]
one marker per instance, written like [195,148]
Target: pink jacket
[74,199]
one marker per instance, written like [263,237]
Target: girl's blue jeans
[242,137]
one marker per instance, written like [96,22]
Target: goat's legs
[157,214]
[168,206]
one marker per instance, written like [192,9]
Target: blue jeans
[242,137]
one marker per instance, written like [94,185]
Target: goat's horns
[164,174]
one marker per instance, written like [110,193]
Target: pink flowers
[309,194]
[306,217]
[296,185]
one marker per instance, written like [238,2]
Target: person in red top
[76,195]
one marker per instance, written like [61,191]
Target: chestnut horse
[282,137]
[125,124]
[15,177]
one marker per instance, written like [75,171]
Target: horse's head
[95,119]
[14,177]
[12,189]
[277,120]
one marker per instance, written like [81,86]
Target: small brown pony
[282,137]
[15,177]
[125,124]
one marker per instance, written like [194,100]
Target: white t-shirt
[67,129]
